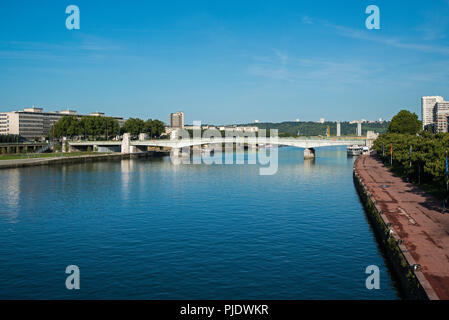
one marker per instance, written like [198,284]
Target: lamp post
[391,155]
[410,161]
[419,172]
[447,183]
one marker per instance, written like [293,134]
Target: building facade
[177,120]
[428,110]
[34,123]
[441,116]
[359,129]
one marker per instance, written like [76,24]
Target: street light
[447,183]
[391,155]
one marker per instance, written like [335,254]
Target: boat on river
[354,150]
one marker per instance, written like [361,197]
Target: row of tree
[412,153]
[295,129]
[89,127]
[421,157]
[104,127]
[9,138]
[135,126]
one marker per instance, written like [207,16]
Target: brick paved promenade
[416,218]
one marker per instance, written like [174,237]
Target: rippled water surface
[148,229]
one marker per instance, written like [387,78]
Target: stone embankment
[19,163]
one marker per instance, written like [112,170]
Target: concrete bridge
[133,146]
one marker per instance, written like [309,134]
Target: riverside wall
[20,163]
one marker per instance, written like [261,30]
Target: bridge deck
[301,142]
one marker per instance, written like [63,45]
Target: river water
[147,229]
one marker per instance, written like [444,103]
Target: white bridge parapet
[300,143]
[182,143]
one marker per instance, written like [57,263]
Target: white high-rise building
[441,116]
[359,128]
[428,105]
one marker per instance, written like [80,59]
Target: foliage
[427,159]
[135,126]
[104,127]
[88,126]
[98,127]
[10,138]
[155,128]
[405,122]
[294,129]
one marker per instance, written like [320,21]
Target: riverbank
[410,227]
[79,158]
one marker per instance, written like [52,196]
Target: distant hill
[315,128]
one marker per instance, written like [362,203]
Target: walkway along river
[411,227]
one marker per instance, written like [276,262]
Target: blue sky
[224,61]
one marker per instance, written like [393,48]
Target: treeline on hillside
[91,127]
[293,129]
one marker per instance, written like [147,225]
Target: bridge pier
[126,143]
[309,153]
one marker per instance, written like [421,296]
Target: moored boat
[354,150]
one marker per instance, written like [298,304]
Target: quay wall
[20,163]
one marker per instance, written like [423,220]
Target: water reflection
[10,194]
[127,167]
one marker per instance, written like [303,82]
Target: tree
[10,138]
[134,126]
[155,128]
[89,126]
[67,126]
[405,122]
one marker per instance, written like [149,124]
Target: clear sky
[224,61]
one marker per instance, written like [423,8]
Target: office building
[35,123]
[428,105]
[441,115]
[177,120]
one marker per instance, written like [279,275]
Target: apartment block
[177,120]
[34,123]
[428,110]
[441,116]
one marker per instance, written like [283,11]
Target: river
[147,229]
